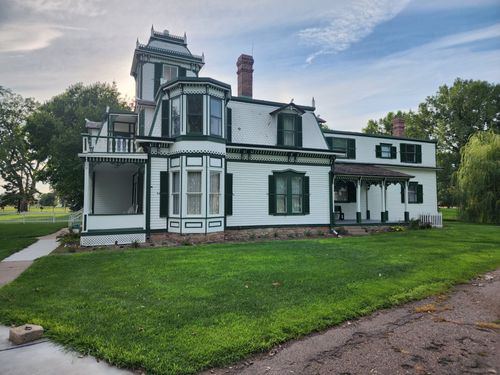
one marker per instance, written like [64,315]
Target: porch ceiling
[367,170]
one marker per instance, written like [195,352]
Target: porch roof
[368,170]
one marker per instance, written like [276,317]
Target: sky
[358,59]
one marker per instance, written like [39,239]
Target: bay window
[215,116]
[194,193]
[214,193]
[195,114]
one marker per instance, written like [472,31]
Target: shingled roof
[367,170]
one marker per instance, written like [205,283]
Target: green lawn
[14,237]
[449,213]
[183,309]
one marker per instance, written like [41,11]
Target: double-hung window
[214,193]
[195,114]
[215,116]
[289,130]
[411,153]
[176,184]
[345,146]
[175,117]
[194,194]
[385,151]
[169,72]
[288,193]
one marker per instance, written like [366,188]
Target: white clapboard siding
[157,165]
[251,199]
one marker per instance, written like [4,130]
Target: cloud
[349,25]
[27,37]
[55,8]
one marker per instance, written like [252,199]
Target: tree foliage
[19,162]
[48,199]
[478,178]
[56,128]
[450,116]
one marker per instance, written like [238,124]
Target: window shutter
[306,195]
[229,125]
[418,151]
[402,150]
[378,151]
[280,129]
[298,131]
[141,122]
[163,194]
[351,149]
[351,192]
[182,72]
[158,75]
[228,194]
[272,193]
[164,118]
[329,142]
[420,193]
[394,151]
[402,193]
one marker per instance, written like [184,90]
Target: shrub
[414,224]
[252,236]
[319,232]
[425,226]
[69,239]
[307,233]
[397,228]
[135,244]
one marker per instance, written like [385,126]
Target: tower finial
[203,56]
[152,30]
[137,42]
[313,102]
[185,38]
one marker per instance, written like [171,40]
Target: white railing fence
[33,217]
[436,220]
[75,220]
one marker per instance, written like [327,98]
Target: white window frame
[191,194]
[212,116]
[176,194]
[173,134]
[214,195]
[170,69]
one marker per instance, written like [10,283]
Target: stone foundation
[240,235]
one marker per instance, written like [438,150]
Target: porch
[369,195]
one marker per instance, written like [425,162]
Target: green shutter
[182,72]
[158,75]
[306,194]
[329,142]
[351,149]
[420,193]
[163,194]
[280,129]
[418,156]
[164,118]
[402,151]
[229,125]
[402,193]
[378,151]
[228,194]
[272,194]
[394,151]
[298,131]
[351,191]
[141,122]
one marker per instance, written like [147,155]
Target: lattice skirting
[112,239]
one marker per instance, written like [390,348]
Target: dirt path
[447,337]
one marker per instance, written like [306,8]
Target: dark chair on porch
[338,212]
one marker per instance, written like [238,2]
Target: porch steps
[356,231]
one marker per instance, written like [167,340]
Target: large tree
[478,179]
[19,162]
[56,129]
[450,116]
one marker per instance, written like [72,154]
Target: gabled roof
[367,170]
[290,105]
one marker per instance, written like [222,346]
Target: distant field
[449,213]
[35,214]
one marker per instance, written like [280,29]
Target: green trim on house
[245,99]
[342,132]
[276,162]
[200,137]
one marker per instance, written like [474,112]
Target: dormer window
[289,130]
[169,72]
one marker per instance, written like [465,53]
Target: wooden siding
[157,165]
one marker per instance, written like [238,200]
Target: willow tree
[478,178]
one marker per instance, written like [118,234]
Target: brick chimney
[398,127]
[245,72]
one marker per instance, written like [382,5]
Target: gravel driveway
[448,334]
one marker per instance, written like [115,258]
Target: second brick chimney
[245,75]
[398,127]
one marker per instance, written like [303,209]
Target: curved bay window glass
[215,116]
[195,114]
[175,117]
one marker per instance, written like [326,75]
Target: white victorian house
[194,158]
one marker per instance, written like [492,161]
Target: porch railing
[436,220]
[95,143]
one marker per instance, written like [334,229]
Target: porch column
[358,201]
[86,194]
[367,208]
[407,214]
[332,196]
[382,204]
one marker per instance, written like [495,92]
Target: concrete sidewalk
[42,356]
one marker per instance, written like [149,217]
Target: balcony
[103,144]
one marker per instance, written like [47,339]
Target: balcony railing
[94,143]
